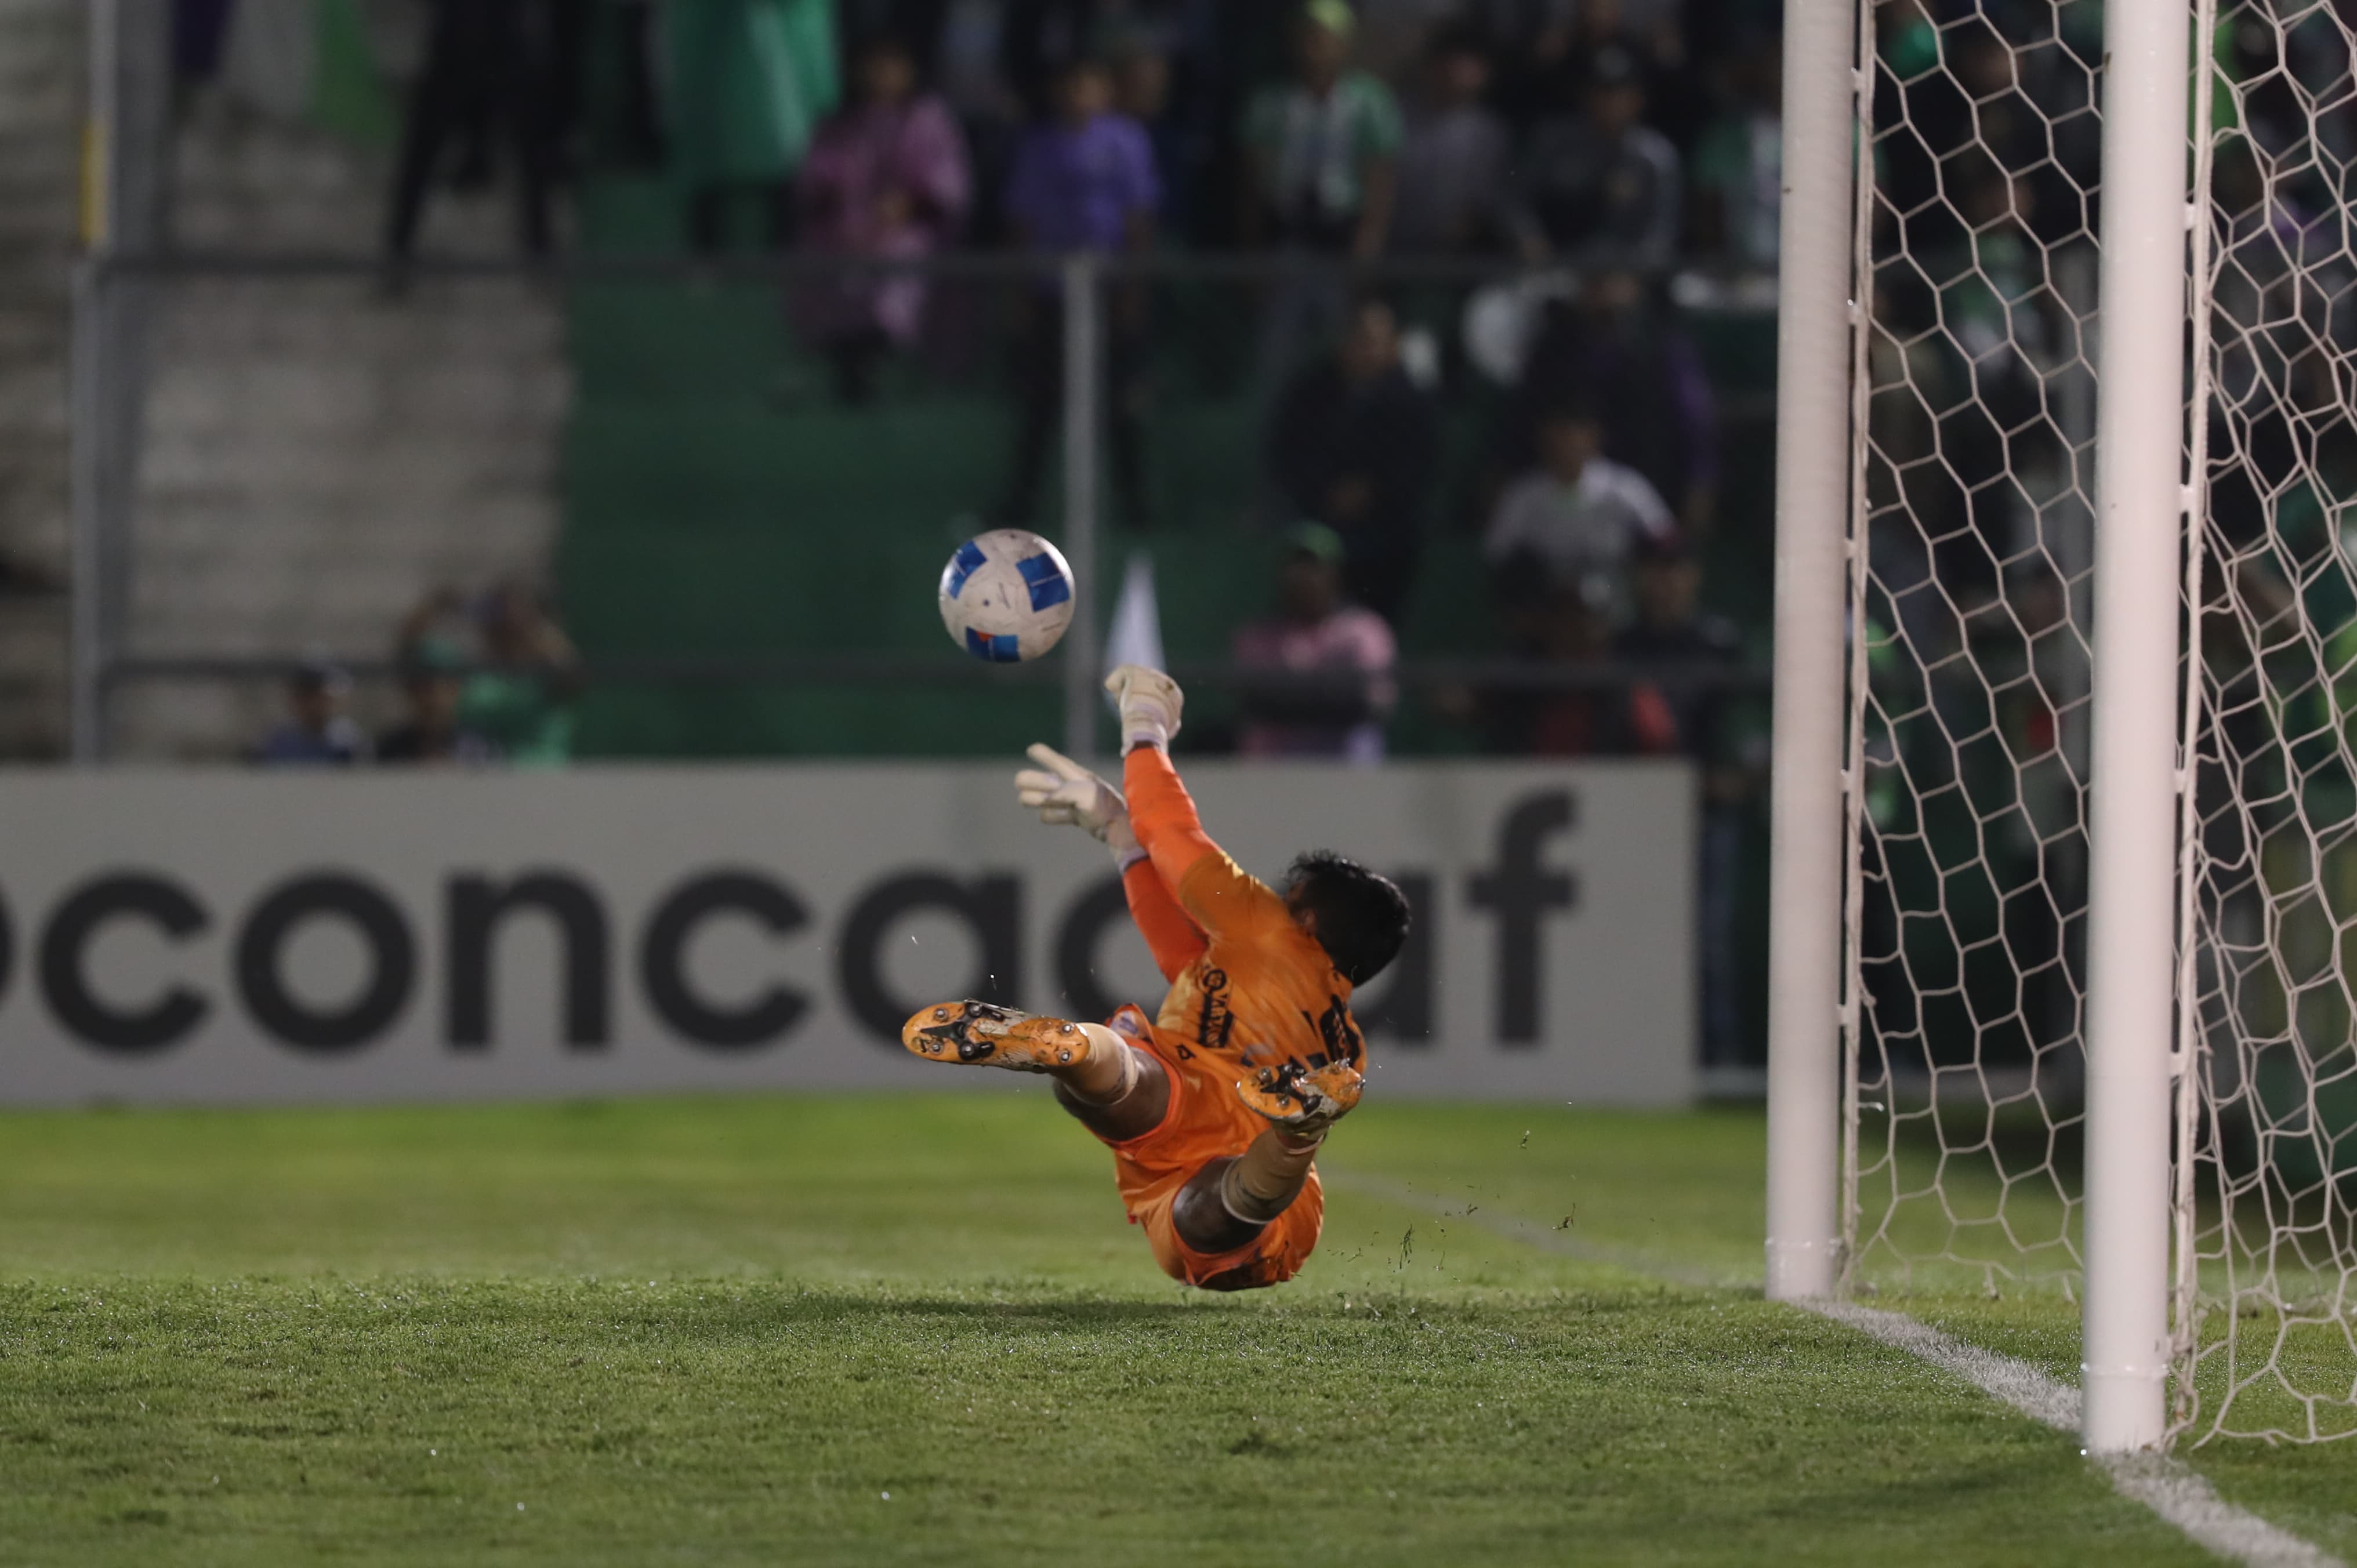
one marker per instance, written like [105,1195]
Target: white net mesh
[1971,667]
[2268,1316]
[1972,536]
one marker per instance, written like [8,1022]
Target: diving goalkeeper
[1214,1110]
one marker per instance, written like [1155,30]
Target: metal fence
[124,296]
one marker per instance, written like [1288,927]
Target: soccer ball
[1006,596]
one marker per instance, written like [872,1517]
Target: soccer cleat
[1303,1100]
[982,1034]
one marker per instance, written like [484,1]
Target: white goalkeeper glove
[1149,703]
[1062,790]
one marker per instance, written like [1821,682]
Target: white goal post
[2063,925]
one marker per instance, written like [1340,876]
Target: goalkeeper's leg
[1230,1201]
[1116,1089]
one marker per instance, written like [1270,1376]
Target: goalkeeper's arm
[1214,891]
[1171,933]
[1062,790]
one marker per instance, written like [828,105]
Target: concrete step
[316,457]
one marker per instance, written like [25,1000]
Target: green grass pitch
[873,1329]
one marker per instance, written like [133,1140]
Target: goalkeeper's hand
[1062,790]
[1149,703]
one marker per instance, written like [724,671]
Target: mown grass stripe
[2167,1487]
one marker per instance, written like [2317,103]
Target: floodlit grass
[723,1331]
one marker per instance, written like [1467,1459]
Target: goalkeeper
[1215,1108]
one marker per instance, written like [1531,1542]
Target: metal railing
[114,298]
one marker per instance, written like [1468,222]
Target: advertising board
[242,937]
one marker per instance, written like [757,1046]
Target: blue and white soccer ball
[1006,596]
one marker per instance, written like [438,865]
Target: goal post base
[1801,1271]
[2124,1409]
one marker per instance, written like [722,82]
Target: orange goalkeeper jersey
[1248,989]
[1257,990]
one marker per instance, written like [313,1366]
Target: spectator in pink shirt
[1316,679]
[887,176]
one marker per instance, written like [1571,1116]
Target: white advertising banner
[242,937]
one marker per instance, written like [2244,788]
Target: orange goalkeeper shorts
[1205,1122]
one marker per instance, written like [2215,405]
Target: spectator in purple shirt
[1083,181]
[886,177]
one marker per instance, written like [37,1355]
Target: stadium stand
[295,426]
[41,43]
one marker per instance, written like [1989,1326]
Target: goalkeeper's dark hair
[1362,917]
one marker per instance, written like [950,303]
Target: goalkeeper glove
[1062,790]
[1149,703]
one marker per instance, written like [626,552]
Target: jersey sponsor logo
[1215,1020]
[1336,1031]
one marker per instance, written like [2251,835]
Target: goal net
[1972,535]
[2267,1318]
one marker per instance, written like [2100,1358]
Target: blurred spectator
[1598,182]
[491,66]
[433,684]
[1452,165]
[1648,31]
[1738,166]
[749,80]
[968,64]
[317,732]
[1355,444]
[1084,181]
[1141,89]
[1568,621]
[1671,628]
[1578,514]
[199,32]
[1324,147]
[1039,42]
[1531,40]
[886,178]
[520,698]
[1321,175]
[1634,365]
[1325,664]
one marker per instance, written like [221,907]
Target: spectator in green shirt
[750,79]
[520,698]
[1738,168]
[1322,168]
[1323,148]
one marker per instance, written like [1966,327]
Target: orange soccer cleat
[982,1034]
[1303,1100]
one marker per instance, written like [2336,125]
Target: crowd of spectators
[1601,143]
[1428,127]
[483,679]
[1641,132]
[1595,144]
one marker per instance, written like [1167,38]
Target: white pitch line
[2178,1494]
[2167,1487]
